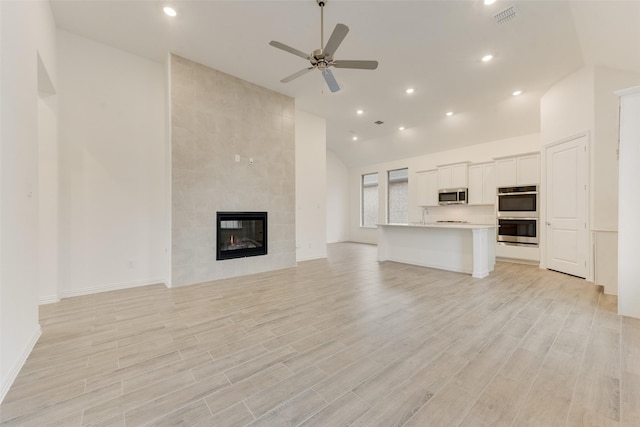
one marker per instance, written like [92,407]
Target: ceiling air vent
[378,122]
[508,14]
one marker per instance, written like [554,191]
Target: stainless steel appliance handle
[525,219]
[517,194]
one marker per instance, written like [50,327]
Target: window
[398,202]
[369,213]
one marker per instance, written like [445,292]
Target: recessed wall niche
[232,149]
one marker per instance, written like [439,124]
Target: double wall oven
[518,215]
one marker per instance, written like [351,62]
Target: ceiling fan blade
[289,49]
[296,75]
[361,65]
[331,81]
[339,33]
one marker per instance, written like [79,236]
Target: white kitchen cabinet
[529,169]
[518,170]
[482,184]
[427,188]
[506,172]
[452,176]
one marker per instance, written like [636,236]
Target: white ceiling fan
[322,58]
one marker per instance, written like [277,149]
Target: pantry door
[567,207]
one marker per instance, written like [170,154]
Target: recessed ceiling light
[488,2]
[401,128]
[169,11]
[355,138]
[487,58]
[410,90]
[449,113]
[517,92]
[359,112]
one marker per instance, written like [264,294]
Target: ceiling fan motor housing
[320,59]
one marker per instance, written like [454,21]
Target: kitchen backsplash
[471,214]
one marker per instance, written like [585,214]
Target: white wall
[605,150]
[311,186]
[604,176]
[337,199]
[113,174]
[474,153]
[48,198]
[629,244]
[167,178]
[27,30]
[585,102]
[567,108]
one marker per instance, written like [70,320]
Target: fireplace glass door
[241,234]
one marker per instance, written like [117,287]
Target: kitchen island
[459,247]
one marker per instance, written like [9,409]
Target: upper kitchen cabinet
[452,176]
[427,187]
[518,170]
[482,184]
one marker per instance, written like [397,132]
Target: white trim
[7,382]
[511,156]
[49,299]
[111,287]
[311,258]
[518,261]
[628,91]
[452,164]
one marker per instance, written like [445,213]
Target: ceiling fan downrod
[321,4]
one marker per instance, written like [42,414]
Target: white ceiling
[433,46]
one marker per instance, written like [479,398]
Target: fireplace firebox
[241,234]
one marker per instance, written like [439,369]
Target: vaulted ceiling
[434,47]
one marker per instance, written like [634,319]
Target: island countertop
[461,225]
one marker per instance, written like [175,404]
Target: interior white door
[567,207]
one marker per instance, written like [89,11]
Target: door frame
[543,204]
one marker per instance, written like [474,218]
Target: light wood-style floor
[343,341]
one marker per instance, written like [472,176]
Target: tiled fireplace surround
[214,118]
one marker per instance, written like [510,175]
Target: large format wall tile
[214,117]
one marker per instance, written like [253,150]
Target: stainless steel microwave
[454,196]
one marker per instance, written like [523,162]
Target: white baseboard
[110,287]
[50,299]
[311,257]
[518,261]
[15,369]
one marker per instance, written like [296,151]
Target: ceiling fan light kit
[322,59]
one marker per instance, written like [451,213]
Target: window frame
[364,185]
[405,179]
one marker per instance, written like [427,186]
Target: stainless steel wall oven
[518,201]
[518,217]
